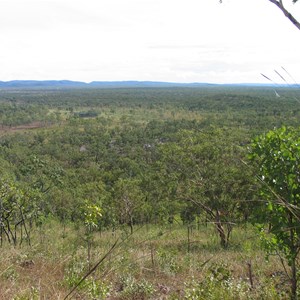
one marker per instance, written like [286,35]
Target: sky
[148,40]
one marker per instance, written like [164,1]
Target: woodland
[150,193]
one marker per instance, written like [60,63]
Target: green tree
[277,156]
[129,201]
[92,214]
[18,208]
[203,169]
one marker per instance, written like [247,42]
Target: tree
[18,207]
[203,169]
[92,214]
[277,155]
[129,201]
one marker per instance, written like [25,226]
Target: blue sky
[158,40]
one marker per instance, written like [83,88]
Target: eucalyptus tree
[129,201]
[18,208]
[204,170]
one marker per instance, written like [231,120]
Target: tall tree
[129,200]
[203,169]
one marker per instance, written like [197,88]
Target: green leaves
[92,214]
[277,158]
[277,154]
[17,207]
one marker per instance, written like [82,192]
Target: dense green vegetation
[115,160]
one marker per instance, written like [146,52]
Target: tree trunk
[294,280]
[221,231]
[293,249]
[131,224]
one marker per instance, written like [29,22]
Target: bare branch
[280,5]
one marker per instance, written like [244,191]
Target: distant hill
[40,83]
[144,84]
[93,84]
[60,84]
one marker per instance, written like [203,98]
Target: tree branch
[280,5]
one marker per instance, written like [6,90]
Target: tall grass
[155,262]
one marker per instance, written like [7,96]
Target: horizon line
[143,81]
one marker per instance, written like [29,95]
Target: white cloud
[170,40]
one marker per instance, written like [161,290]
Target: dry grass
[151,264]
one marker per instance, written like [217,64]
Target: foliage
[17,209]
[202,169]
[92,214]
[151,150]
[92,287]
[133,289]
[168,157]
[277,156]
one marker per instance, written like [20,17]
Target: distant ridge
[94,84]
[40,83]
[60,84]
[145,84]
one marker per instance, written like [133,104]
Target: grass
[153,263]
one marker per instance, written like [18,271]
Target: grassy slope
[153,263]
